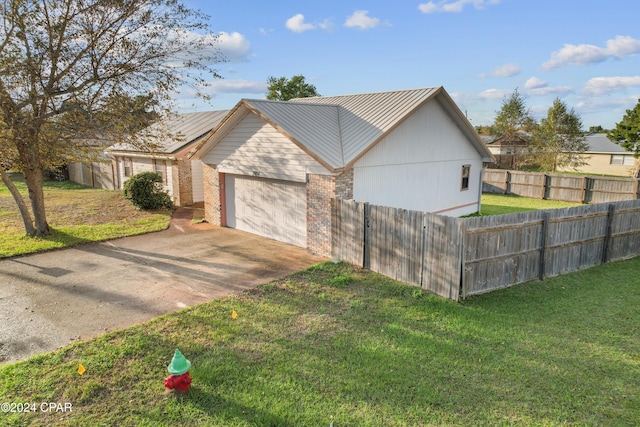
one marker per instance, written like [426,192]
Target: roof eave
[212,138]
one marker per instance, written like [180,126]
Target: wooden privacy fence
[460,257]
[570,188]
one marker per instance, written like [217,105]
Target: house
[605,157]
[97,174]
[509,152]
[272,167]
[170,141]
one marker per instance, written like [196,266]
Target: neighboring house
[272,167]
[98,174]
[182,177]
[604,157]
[508,152]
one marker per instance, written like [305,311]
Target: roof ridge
[370,93]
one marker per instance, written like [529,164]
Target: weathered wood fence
[460,257]
[570,188]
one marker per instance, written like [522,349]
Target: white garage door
[269,208]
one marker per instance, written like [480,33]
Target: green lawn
[499,204]
[333,344]
[76,214]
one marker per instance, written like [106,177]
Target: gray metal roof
[365,118]
[316,127]
[337,130]
[174,132]
[599,143]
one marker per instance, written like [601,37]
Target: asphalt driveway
[49,300]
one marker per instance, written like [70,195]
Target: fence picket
[455,257]
[569,188]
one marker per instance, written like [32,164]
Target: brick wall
[211,194]
[182,187]
[320,190]
[344,185]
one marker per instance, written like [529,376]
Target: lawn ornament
[179,370]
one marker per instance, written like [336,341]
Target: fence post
[462,230]
[546,190]
[543,246]
[507,187]
[585,186]
[366,262]
[606,250]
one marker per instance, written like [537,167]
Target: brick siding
[182,186]
[344,185]
[320,190]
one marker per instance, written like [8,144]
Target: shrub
[145,191]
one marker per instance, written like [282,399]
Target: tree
[559,140]
[73,73]
[485,130]
[283,89]
[627,133]
[513,123]
[597,129]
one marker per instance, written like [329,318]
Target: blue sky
[587,53]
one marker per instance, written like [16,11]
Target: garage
[270,208]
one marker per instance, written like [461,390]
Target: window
[622,159]
[128,166]
[466,169]
[160,167]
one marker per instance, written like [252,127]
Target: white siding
[255,148]
[197,181]
[142,164]
[418,166]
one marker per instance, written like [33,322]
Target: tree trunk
[22,206]
[33,178]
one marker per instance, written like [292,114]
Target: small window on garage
[466,170]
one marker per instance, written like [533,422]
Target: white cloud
[361,20]
[556,91]
[591,104]
[237,86]
[506,70]
[297,25]
[234,46]
[585,54]
[494,94]
[535,83]
[604,85]
[537,87]
[326,25]
[454,6]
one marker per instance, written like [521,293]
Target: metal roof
[337,130]
[365,118]
[599,143]
[312,126]
[174,132]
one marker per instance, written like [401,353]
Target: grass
[500,204]
[333,344]
[76,214]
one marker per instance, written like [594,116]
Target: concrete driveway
[49,300]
